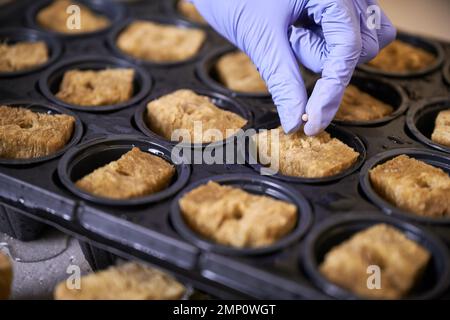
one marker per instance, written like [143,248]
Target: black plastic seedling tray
[152,230]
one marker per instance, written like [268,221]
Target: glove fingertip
[312,129]
[290,126]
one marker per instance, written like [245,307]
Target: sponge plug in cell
[6,275]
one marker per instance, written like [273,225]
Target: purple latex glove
[329,36]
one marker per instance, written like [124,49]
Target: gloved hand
[329,36]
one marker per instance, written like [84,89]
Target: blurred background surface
[430,18]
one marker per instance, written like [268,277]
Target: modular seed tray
[152,228]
